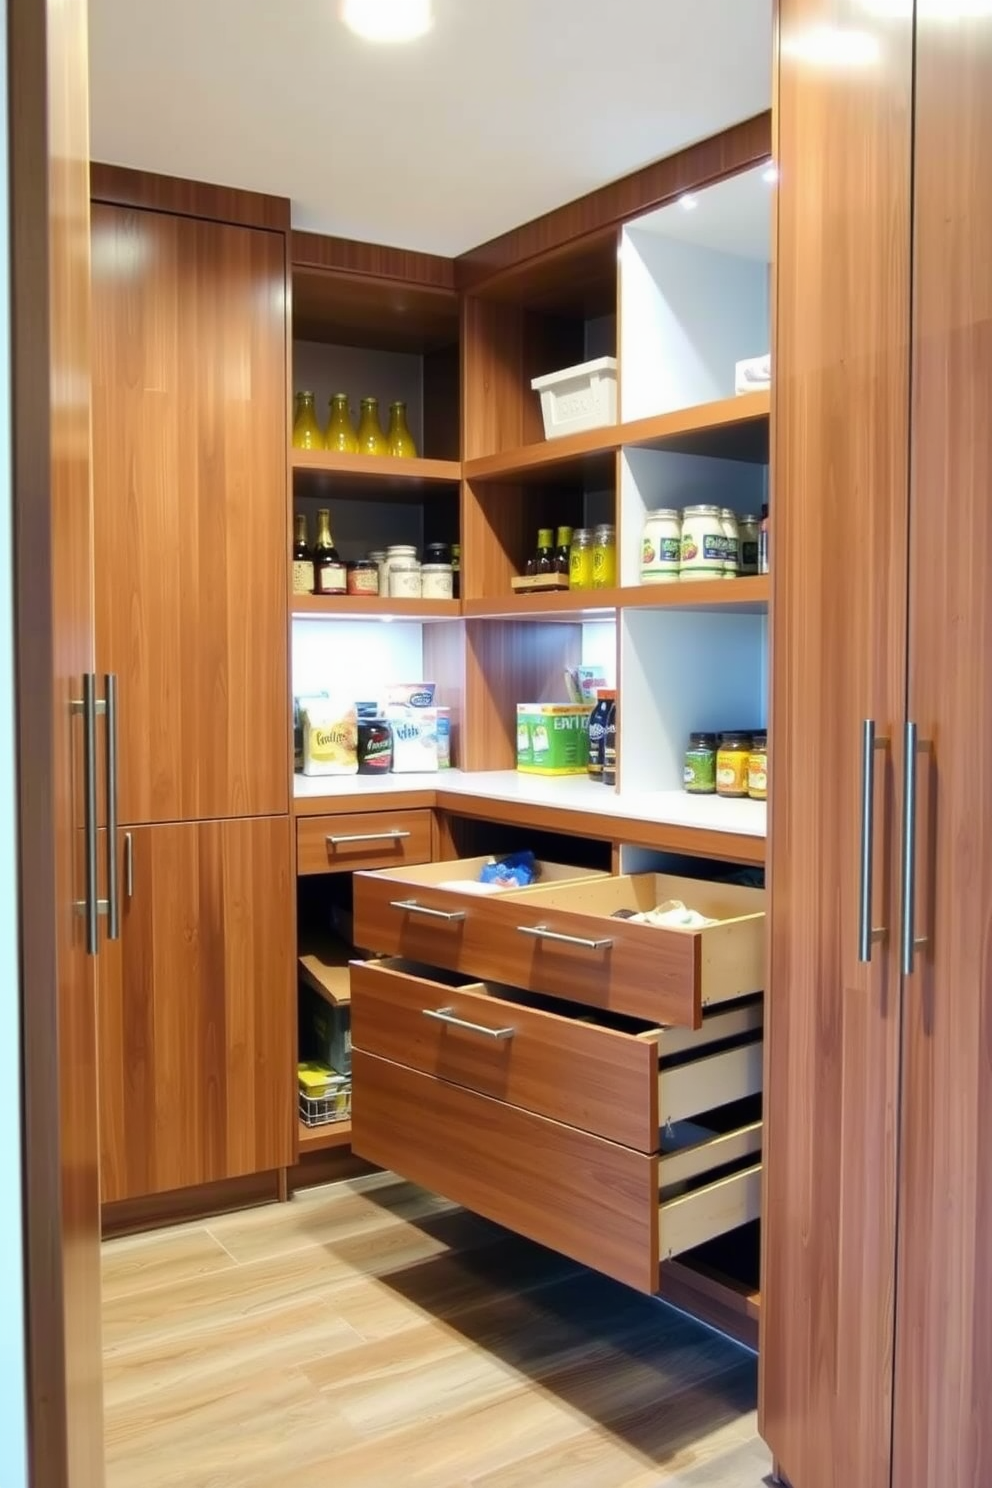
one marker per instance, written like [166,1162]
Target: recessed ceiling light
[688,203]
[388,20]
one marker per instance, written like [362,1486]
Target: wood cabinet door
[189,473]
[943,1423]
[197,1013]
[839,506]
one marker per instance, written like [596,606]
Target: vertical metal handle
[868,933]
[88,906]
[129,864]
[911,942]
[113,895]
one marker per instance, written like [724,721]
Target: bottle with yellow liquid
[341,435]
[307,433]
[399,437]
[371,440]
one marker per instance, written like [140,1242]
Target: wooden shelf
[371,607]
[360,473]
[573,457]
[737,596]
[323,1138]
[730,429]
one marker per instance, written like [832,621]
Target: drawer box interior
[461,875]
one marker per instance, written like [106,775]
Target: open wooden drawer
[549,1123]
[560,936]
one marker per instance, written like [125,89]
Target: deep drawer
[365,839]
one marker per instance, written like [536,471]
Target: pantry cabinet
[876,1345]
[189,471]
[196,1008]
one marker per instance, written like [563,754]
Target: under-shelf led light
[388,20]
[688,203]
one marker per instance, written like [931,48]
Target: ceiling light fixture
[688,203]
[388,20]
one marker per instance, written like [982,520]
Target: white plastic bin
[578,398]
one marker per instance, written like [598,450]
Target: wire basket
[320,1110]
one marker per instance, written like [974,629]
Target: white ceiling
[507,109]
[733,216]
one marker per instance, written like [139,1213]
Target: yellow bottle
[306,430]
[341,434]
[371,440]
[399,437]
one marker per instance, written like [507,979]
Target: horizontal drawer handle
[393,836]
[412,907]
[541,932]
[447,1017]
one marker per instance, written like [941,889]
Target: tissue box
[753,375]
[552,738]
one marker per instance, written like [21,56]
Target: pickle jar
[732,759]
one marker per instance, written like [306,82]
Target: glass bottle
[580,559]
[306,430]
[563,544]
[340,434]
[371,440]
[544,559]
[604,557]
[399,438]
[302,559]
[330,574]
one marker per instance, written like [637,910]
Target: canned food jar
[604,556]
[731,543]
[399,553]
[702,543]
[404,578]
[363,577]
[748,529]
[699,770]
[661,546]
[732,759]
[757,768]
[580,559]
[436,581]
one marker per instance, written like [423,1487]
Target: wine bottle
[563,549]
[330,574]
[302,559]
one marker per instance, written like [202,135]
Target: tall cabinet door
[943,1425]
[197,1008]
[189,467]
[839,554]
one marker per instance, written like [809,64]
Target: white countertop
[566,792]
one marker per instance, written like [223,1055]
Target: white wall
[13,1432]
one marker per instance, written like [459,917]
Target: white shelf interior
[357,658]
[681,672]
[694,295]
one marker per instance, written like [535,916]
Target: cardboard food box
[552,738]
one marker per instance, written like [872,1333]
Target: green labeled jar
[699,771]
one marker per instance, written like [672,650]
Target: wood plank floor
[373,1335]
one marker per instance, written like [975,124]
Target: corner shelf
[323,1138]
[734,596]
[382,471]
[572,457]
[370,607]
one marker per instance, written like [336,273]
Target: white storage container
[578,398]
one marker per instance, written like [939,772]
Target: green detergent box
[552,738]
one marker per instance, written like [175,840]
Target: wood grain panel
[120,186]
[943,1422]
[47,216]
[838,611]
[387,314]
[189,468]
[590,1077]
[509,662]
[373,260]
[197,1036]
[503,347]
[317,853]
[590,1199]
[699,165]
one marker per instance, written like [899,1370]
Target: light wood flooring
[367,1335]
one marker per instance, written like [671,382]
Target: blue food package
[516,870]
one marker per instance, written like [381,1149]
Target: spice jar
[604,556]
[702,543]
[699,770]
[731,543]
[375,746]
[661,546]
[757,768]
[404,578]
[580,559]
[363,577]
[436,581]
[749,531]
[732,764]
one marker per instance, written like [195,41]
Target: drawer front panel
[632,969]
[365,839]
[576,1193]
[589,1077]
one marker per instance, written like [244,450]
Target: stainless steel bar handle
[129,864]
[911,942]
[412,907]
[113,887]
[447,1016]
[541,932]
[392,836]
[868,933]
[88,906]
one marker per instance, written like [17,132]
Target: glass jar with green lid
[340,435]
[580,555]
[307,433]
